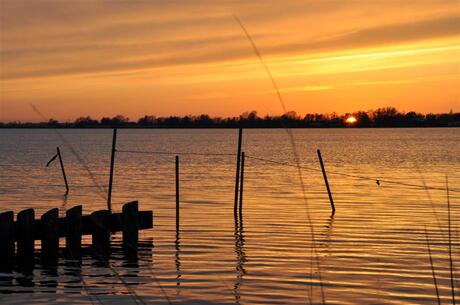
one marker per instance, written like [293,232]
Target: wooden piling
[237,176]
[62,169]
[50,237]
[73,232]
[112,164]
[101,234]
[6,241]
[177,195]
[241,186]
[326,181]
[130,228]
[25,232]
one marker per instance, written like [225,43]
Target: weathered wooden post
[50,237]
[6,241]
[25,232]
[101,234]
[73,232]
[112,164]
[177,195]
[241,186]
[237,176]
[62,169]
[130,222]
[326,181]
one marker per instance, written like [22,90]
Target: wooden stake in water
[63,169]
[6,241]
[100,221]
[130,225]
[50,237]
[177,195]
[237,177]
[241,186]
[112,164]
[25,230]
[326,181]
[74,227]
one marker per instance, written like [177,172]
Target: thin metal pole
[112,164]
[326,181]
[237,177]
[241,186]
[63,170]
[177,195]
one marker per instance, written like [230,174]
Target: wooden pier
[17,238]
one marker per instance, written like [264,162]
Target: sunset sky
[102,58]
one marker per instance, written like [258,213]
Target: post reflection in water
[49,278]
[70,276]
[65,199]
[6,281]
[240,258]
[177,261]
[326,240]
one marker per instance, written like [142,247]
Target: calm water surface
[373,251]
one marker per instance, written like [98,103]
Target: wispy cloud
[178,53]
[44,48]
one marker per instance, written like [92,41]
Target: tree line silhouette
[381,117]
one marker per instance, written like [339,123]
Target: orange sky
[102,58]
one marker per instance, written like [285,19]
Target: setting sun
[351,120]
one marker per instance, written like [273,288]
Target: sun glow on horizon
[351,120]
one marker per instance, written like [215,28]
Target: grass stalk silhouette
[451,262]
[102,193]
[296,159]
[433,272]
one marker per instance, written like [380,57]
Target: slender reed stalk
[296,158]
[432,266]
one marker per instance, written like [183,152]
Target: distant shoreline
[232,127]
[388,117]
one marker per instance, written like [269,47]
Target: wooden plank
[73,232]
[25,231]
[101,234]
[6,241]
[130,228]
[145,220]
[50,237]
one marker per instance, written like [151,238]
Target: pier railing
[17,238]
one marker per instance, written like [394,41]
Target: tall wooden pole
[177,195]
[326,181]
[112,164]
[241,187]
[62,168]
[237,177]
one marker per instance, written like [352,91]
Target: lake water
[372,251]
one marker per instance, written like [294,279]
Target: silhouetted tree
[147,121]
[362,119]
[116,121]
[386,117]
[86,122]
[53,123]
